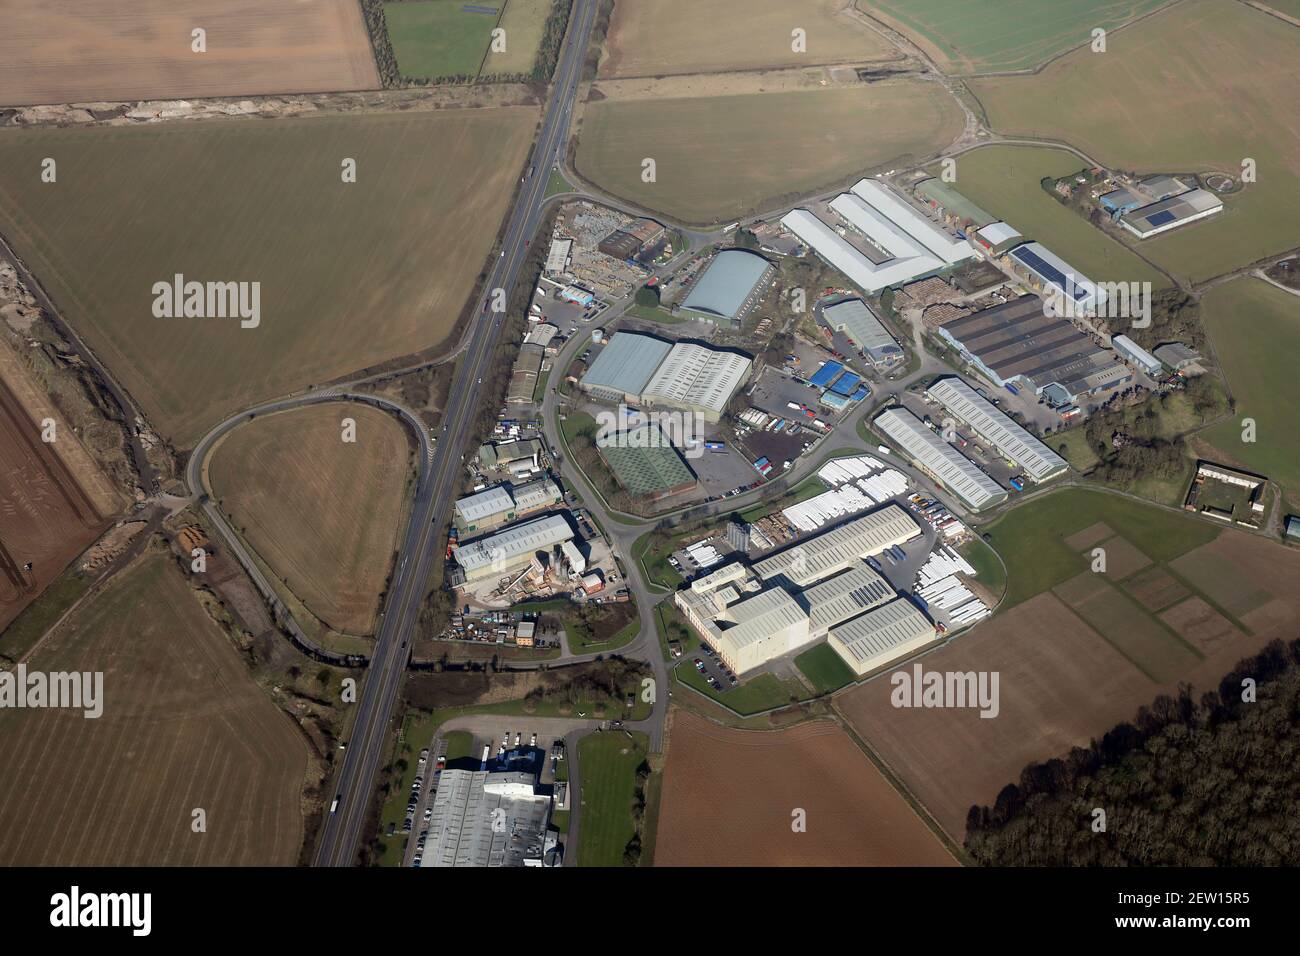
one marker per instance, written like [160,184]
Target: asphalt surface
[354,782]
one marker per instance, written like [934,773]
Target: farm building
[910,245]
[1136,354]
[645,463]
[1018,341]
[945,464]
[1122,200]
[881,636]
[728,285]
[637,368]
[511,550]
[751,616]
[861,327]
[485,818]
[952,205]
[1052,274]
[1010,440]
[1178,356]
[496,506]
[998,238]
[1171,213]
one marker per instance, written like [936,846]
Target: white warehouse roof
[949,466]
[484,504]
[505,549]
[846,595]
[916,225]
[1055,272]
[727,283]
[1011,441]
[996,233]
[821,556]
[694,376]
[881,636]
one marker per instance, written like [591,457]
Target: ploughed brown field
[183,727]
[729,796]
[324,514]
[54,501]
[1062,683]
[83,51]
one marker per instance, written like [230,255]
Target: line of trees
[1187,782]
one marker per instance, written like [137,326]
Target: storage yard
[64,52]
[255,188]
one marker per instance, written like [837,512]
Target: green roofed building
[645,462]
[952,205]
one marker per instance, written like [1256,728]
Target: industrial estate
[548,451]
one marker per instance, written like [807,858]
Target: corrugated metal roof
[957,472]
[727,283]
[626,364]
[484,504]
[1011,440]
[873,636]
[506,547]
[953,201]
[844,596]
[695,376]
[822,555]
[858,322]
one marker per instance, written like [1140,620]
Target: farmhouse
[945,464]
[728,286]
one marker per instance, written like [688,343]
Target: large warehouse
[645,463]
[867,333]
[728,286]
[751,616]
[641,369]
[513,549]
[952,205]
[501,504]
[1171,213]
[910,245]
[483,818]
[883,635]
[1010,440]
[1052,274]
[1018,342]
[945,464]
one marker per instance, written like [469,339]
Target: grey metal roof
[867,641]
[727,283]
[1011,440]
[953,469]
[855,320]
[626,363]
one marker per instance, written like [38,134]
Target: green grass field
[752,695]
[1255,329]
[607,764]
[351,274]
[824,668]
[988,568]
[980,36]
[1005,181]
[1030,538]
[434,38]
[524,22]
[718,157]
[1143,105]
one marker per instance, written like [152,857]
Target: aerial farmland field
[1004,180]
[854,817]
[1078,651]
[1255,329]
[524,22]
[184,726]
[1143,105]
[75,51]
[54,500]
[654,37]
[719,157]
[985,36]
[433,38]
[351,273]
[322,513]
